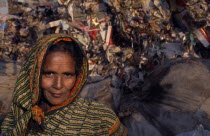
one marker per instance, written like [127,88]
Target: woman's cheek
[70,83]
[46,82]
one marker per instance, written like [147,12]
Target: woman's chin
[56,103]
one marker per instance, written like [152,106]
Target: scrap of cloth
[75,116]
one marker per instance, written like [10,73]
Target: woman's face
[58,77]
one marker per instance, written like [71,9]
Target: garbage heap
[125,40]
[143,33]
[115,33]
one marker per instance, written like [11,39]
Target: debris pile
[125,40]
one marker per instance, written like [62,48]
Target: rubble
[163,29]
[125,40]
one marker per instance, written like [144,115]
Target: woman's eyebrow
[48,71]
[71,73]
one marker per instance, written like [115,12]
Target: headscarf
[27,88]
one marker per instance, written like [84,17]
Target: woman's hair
[73,49]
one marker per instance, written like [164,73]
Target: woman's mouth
[57,95]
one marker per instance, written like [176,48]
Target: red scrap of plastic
[111,42]
[205,35]
[93,33]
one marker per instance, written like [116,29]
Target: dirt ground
[8,74]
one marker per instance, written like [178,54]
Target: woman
[46,101]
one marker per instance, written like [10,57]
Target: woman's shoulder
[95,107]
[97,113]
[107,116]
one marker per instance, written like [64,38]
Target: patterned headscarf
[27,89]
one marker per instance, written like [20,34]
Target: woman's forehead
[58,56]
[59,60]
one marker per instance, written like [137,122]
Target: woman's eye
[69,74]
[48,74]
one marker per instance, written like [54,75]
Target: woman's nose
[58,83]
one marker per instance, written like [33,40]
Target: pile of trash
[125,41]
[16,37]
[143,34]
[119,33]
[20,31]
